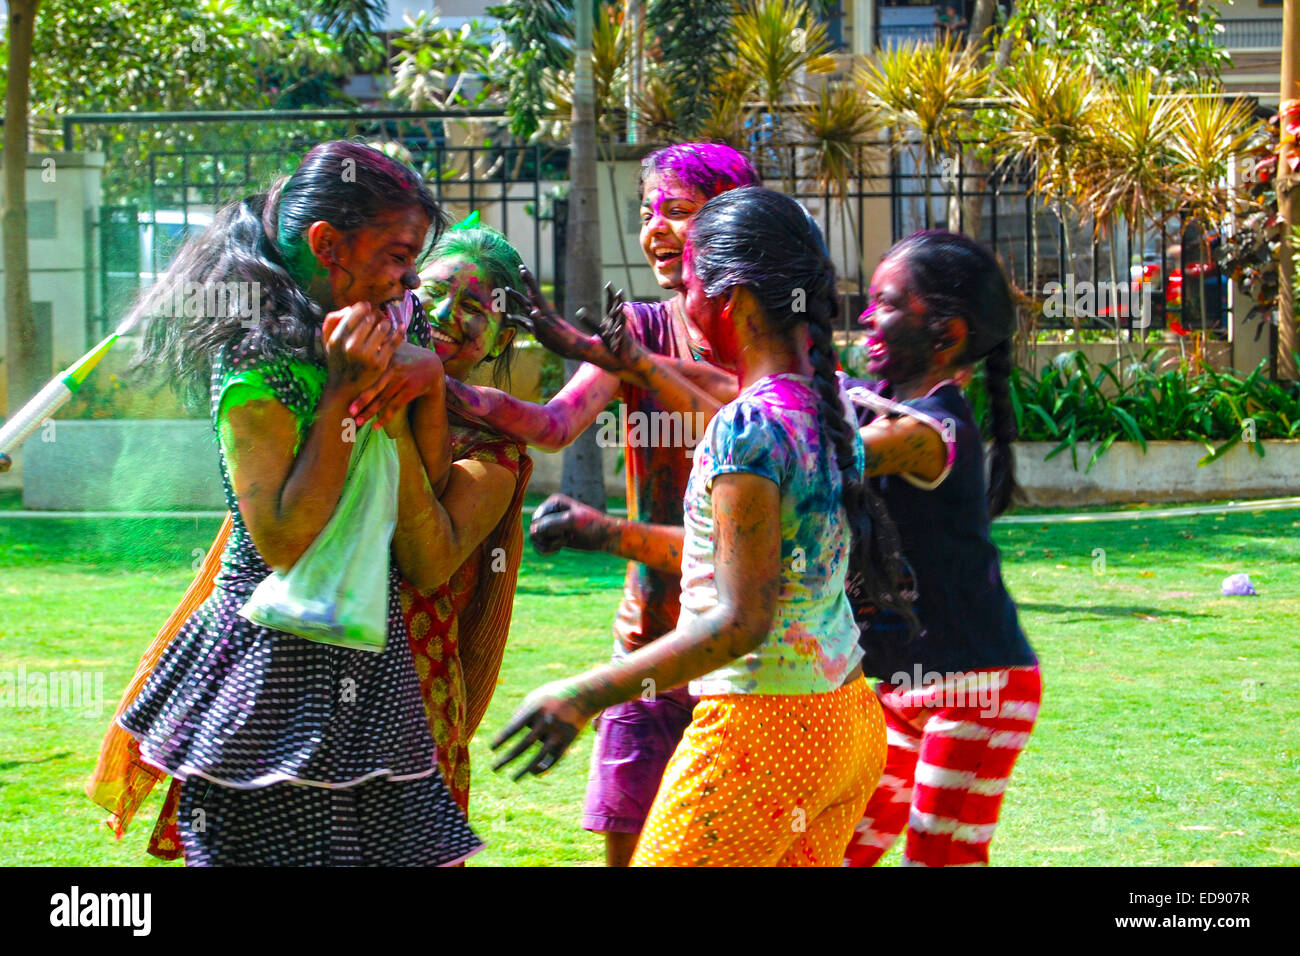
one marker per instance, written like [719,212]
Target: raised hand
[552,718]
[562,522]
[613,328]
[555,333]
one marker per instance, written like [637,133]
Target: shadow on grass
[1108,610]
[11,764]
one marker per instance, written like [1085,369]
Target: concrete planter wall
[1167,472]
[142,465]
[161,464]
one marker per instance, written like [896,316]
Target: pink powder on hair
[710,168]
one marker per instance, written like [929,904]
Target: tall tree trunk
[582,477]
[1288,193]
[22,376]
[634,23]
[972,205]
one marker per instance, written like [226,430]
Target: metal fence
[165,183]
[167,174]
[1256,33]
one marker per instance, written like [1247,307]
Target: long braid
[876,559]
[743,238]
[1002,423]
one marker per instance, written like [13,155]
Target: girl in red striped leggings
[960,700]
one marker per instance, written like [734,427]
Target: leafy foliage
[538,34]
[433,62]
[146,55]
[1251,253]
[1148,399]
[1167,38]
[689,47]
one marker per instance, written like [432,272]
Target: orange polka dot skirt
[767,780]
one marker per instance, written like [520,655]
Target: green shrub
[1067,405]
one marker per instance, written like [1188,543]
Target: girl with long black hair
[289,751]
[787,741]
[962,697]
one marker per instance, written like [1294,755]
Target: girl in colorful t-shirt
[962,698]
[787,740]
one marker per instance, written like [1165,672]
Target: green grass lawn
[1168,734]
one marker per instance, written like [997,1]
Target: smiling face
[467,328]
[666,208]
[375,263]
[899,345]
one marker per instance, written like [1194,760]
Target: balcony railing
[893,36]
[1262,33]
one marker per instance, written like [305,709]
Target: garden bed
[1166,471]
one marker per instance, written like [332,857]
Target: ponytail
[767,242]
[956,277]
[1003,489]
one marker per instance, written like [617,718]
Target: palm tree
[841,130]
[1211,133]
[926,87]
[1048,110]
[775,43]
[689,37]
[582,477]
[1124,176]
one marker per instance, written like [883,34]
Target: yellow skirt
[767,780]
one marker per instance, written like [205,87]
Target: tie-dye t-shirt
[772,429]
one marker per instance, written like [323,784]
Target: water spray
[51,398]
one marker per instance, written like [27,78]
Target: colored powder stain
[710,168]
[801,641]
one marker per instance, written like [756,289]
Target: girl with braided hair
[960,699]
[787,741]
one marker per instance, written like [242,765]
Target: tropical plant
[925,88]
[840,130]
[432,63]
[536,37]
[1250,252]
[689,46]
[609,56]
[1075,401]
[1048,111]
[1124,175]
[775,44]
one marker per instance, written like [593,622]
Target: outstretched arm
[904,446]
[747,567]
[549,427]
[562,522]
